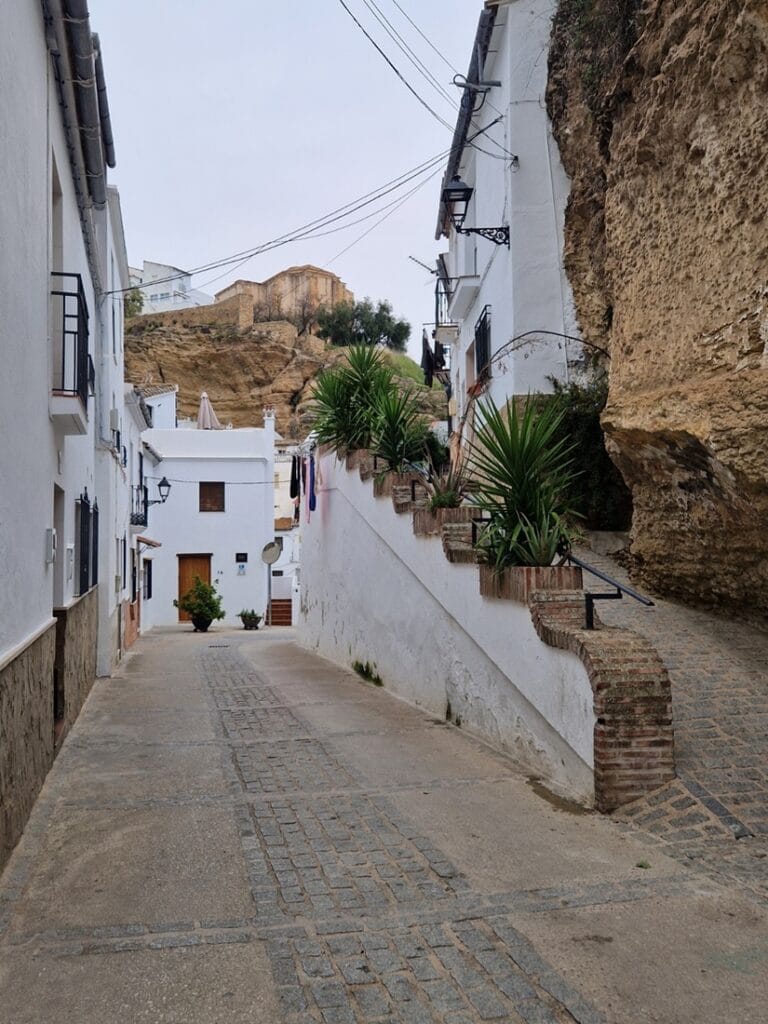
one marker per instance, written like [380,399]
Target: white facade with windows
[63,488]
[165,288]
[505,152]
[220,508]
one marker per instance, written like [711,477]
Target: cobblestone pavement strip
[279,885]
[719,673]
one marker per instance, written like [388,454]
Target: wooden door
[189,567]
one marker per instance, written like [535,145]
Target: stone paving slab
[719,673]
[322,868]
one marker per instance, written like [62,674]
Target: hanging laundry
[312,495]
[294,492]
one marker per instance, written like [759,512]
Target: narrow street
[237,831]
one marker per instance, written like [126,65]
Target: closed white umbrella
[206,417]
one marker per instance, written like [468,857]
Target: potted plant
[521,474]
[202,603]
[250,618]
[447,489]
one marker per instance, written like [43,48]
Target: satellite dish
[271,552]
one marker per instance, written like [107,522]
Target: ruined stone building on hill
[291,293]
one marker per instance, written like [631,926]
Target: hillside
[242,365]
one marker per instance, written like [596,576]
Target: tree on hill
[133,303]
[362,323]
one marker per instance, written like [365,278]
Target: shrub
[202,601]
[598,492]
[345,399]
[399,433]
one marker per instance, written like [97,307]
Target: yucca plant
[399,433]
[346,397]
[521,471]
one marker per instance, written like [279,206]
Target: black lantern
[456,197]
[165,489]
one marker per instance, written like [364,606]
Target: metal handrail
[590,598]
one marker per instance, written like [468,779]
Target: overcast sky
[236,121]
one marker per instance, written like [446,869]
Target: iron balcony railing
[139,505]
[72,366]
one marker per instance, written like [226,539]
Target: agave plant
[521,471]
[346,398]
[399,433]
[447,485]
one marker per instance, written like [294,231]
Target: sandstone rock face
[243,369]
[667,250]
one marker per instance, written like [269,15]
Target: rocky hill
[244,366]
[661,114]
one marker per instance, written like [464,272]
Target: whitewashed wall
[373,592]
[525,285]
[243,459]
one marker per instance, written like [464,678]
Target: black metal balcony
[139,505]
[72,367]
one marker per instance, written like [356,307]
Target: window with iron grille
[87,543]
[211,496]
[483,345]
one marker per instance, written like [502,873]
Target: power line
[421,100]
[298,233]
[420,66]
[399,74]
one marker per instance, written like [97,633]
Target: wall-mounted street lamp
[456,197]
[165,489]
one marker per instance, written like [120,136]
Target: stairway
[281,612]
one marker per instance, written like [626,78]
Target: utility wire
[400,42]
[320,222]
[421,100]
[402,77]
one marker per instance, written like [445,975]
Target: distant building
[291,294]
[218,516]
[166,288]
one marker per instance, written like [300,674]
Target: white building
[62,478]
[216,521]
[491,292]
[165,287]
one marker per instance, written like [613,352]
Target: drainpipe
[59,49]
[87,97]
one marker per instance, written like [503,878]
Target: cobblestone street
[716,813]
[237,831]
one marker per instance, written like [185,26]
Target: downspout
[87,98]
[58,45]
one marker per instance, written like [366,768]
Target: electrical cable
[399,74]
[421,100]
[420,66]
[298,233]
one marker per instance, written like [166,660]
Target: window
[211,496]
[483,344]
[147,578]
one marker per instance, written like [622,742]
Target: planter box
[387,484]
[429,523]
[517,582]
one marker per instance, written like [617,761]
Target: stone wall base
[76,639]
[26,735]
